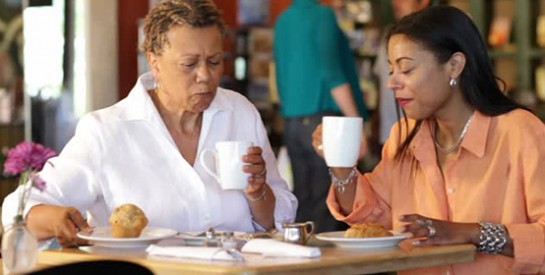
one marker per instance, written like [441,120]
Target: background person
[316,76]
[388,110]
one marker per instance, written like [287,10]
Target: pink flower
[27,156]
[26,160]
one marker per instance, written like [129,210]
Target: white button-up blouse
[125,154]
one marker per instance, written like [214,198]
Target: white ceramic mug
[228,155]
[341,140]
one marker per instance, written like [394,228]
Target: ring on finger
[431,231]
[262,174]
[320,147]
[424,223]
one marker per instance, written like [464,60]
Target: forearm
[63,223]
[345,198]
[342,95]
[263,209]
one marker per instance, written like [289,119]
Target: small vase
[19,249]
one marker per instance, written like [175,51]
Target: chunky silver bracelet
[340,184]
[492,239]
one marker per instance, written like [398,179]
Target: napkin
[206,253]
[275,248]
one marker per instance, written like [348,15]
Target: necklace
[448,150]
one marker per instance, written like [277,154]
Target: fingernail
[409,235]
[417,243]
[401,217]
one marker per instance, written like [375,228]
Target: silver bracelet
[340,184]
[492,238]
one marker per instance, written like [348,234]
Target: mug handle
[203,163]
[309,225]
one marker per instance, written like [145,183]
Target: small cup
[341,140]
[298,232]
[228,155]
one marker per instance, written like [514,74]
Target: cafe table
[334,260]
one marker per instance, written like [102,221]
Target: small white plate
[102,236]
[197,238]
[337,237]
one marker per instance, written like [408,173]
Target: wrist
[258,195]
[474,233]
[492,238]
[340,172]
[341,183]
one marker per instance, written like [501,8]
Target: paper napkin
[275,248]
[206,253]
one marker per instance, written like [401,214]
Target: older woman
[466,163]
[143,150]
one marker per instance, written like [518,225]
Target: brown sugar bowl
[127,221]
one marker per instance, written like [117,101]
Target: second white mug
[341,140]
[228,156]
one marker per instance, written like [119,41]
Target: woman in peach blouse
[465,165]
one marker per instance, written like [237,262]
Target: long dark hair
[445,30]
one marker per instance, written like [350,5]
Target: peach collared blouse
[497,175]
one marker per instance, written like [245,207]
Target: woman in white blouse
[143,149]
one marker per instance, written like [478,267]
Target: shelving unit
[10,135]
[517,61]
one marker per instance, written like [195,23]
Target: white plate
[102,236]
[197,238]
[337,237]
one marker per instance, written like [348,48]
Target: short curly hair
[168,13]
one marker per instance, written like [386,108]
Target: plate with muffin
[365,235]
[128,229]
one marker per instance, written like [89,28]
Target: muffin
[127,221]
[367,230]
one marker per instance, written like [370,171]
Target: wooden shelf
[536,53]
[522,48]
[502,54]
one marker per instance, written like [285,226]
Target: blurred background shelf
[10,135]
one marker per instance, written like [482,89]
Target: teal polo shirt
[312,56]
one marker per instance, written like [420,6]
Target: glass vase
[19,249]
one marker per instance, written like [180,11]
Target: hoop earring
[452,82]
